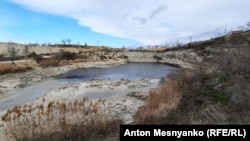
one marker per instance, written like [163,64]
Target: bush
[221,97]
[10,68]
[199,96]
[66,55]
[235,68]
[179,95]
[160,102]
[49,62]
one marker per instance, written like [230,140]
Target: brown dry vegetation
[49,62]
[160,101]
[203,97]
[77,121]
[10,68]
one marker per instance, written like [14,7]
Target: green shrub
[221,97]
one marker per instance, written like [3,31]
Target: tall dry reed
[78,120]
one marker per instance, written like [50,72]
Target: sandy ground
[123,96]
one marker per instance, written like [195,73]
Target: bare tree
[12,51]
[26,52]
[69,41]
[63,41]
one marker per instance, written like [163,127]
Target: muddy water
[131,71]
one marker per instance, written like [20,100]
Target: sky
[120,23]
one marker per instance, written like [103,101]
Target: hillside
[213,90]
[22,50]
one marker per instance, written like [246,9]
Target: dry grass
[199,96]
[236,73]
[74,61]
[161,49]
[178,96]
[49,62]
[160,102]
[10,68]
[80,120]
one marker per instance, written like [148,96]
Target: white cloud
[149,21]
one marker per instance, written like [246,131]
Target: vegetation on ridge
[204,95]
